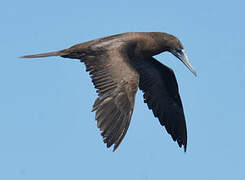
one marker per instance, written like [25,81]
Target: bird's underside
[117,71]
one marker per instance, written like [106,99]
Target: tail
[56,53]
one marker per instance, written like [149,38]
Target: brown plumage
[118,65]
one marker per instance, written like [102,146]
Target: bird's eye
[179,51]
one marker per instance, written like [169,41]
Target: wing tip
[182,143]
[185,147]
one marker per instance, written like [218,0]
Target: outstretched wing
[161,94]
[116,83]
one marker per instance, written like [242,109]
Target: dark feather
[161,94]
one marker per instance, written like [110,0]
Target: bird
[121,64]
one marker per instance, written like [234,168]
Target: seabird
[120,64]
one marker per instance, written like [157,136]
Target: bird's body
[118,65]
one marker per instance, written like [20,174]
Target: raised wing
[116,83]
[161,94]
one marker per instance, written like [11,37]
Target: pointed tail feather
[56,53]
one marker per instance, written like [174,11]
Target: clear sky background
[47,131]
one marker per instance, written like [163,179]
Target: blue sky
[46,128]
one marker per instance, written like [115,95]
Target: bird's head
[173,45]
[177,49]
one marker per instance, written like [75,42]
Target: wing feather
[161,94]
[116,83]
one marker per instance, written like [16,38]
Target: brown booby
[121,63]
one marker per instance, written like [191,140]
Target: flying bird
[120,64]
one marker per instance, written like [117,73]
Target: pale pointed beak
[181,55]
